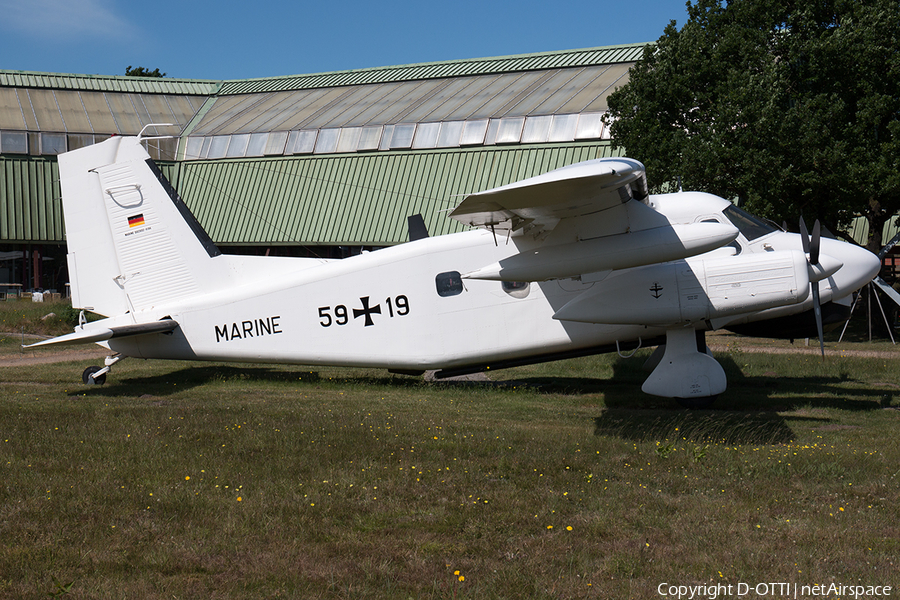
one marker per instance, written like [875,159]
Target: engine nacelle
[692,290]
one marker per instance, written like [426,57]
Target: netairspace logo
[771,590]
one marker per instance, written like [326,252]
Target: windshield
[750,227]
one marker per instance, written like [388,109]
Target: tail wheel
[87,378]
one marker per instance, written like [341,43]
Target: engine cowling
[692,290]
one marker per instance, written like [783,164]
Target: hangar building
[308,165]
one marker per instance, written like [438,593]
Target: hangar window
[537,130]
[76,141]
[590,126]
[348,140]
[426,135]
[237,147]
[563,128]
[257,144]
[450,134]
[448,284]
[219,146]
[14,142]
[275,143]
[193,148]
[402,136]
[327,141]
[385,143]
[473,132]
[301,142]
[369,138]
[53,143]
[509,130]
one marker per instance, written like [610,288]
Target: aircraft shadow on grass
[746,414]
[186,378]
[166,384]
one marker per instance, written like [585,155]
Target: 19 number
[402,304]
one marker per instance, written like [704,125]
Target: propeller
[811,248]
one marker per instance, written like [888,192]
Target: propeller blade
[814,243]
[804,236]
[817,311]
[811,247]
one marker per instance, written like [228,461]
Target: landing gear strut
[95,375]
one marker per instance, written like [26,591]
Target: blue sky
[236,40]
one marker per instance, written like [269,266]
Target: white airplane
[577,261]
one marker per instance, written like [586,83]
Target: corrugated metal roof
[549,91]
[456,68]
[360,199]
[480,66]
[108,83]
[30,207]
[82,111]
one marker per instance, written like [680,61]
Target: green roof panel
[360,199]
[456,68]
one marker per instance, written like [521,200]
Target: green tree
[790,106]
[142,72]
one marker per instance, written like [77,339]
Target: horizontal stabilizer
[87,336]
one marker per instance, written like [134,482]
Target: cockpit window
[750,227]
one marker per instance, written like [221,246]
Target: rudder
[133,244]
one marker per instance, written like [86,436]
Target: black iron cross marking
[366,311]
[656,290]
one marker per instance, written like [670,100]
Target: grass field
[192,480]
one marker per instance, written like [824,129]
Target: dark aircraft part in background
[417,229]
[802,325]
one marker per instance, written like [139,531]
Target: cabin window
[516,289]
[448,284]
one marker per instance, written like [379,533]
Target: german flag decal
[136,220]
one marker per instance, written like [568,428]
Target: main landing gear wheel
[88,376]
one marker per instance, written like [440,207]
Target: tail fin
[132,242]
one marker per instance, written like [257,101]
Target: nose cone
[859,268]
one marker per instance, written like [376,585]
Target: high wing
[541,202]
[587,218]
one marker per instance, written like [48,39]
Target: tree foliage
[791,107]
[142,72]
